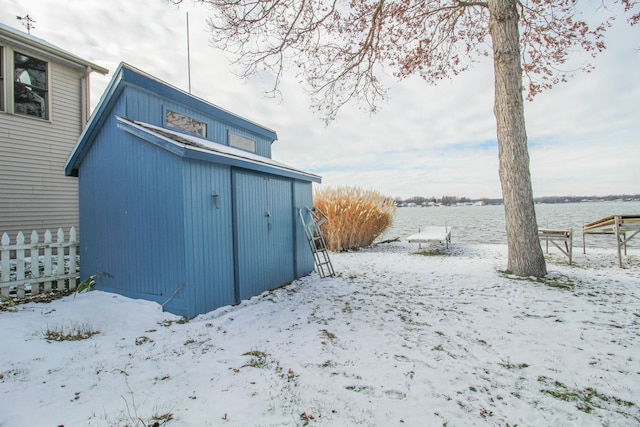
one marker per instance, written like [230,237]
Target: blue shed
[180,201]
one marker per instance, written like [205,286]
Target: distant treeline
[454,200]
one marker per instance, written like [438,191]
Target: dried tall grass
[355,216]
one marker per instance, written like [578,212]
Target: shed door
[264,240]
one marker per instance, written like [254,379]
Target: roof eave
[22,40]
[146,81]
[107,99]
[191,152]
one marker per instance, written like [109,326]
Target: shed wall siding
[208,236]
[131,211]
[263,232]
[34,192]
[303,198]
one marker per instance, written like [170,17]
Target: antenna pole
[188,54]
[28,22]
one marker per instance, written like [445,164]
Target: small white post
[60,260]
[47,260]
[35,262]
[5,266]
[73,239]
[20,263]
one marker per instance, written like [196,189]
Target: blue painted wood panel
[208,236]
[130,203]
[281,231]
[303,198]
[263,229]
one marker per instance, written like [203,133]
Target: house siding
[35,194]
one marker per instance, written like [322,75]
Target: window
[1,79]
[238,141]
[30,94]
[185,123]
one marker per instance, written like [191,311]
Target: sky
[431,141]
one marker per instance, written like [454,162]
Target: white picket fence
[37,267]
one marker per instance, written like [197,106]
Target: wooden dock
[624,227]
[440,235]
[557,237]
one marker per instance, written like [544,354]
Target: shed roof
[26,41]
[203,149]
[127,75]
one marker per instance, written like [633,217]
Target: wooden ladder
[315,218]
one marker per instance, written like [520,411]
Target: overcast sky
[584,135]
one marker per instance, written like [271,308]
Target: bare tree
[340,47]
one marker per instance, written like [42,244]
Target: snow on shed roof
[195,147]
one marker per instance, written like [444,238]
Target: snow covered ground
[397,338]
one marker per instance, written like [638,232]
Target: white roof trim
[195,143]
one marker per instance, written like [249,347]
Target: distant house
[44,104]
[180,201]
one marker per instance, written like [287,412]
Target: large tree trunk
[525,254]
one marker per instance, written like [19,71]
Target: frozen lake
[485,224]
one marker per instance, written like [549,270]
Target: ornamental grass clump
[355,216]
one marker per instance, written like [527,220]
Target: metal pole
[617,225]
[188,53]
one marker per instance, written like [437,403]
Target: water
[485,224]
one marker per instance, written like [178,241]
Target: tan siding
[34,193]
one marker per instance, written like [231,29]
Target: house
[180,201]
[44,104]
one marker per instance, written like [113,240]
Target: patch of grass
[258,359]
[587,399]
[131,419]
[438,348]
[328,364]
[167,323]
[358,388]
[88,284]
[558,281]
[143,340]
[8,302]
[291,376]
[507,364]
[161,419]
[431,252]
[328,336]
[72,333]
